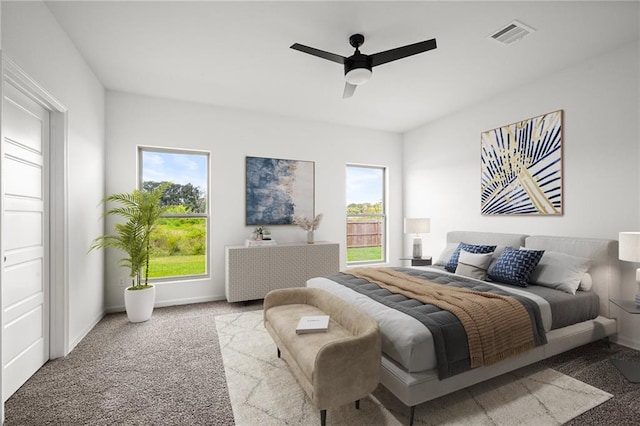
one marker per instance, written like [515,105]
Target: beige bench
[333,367]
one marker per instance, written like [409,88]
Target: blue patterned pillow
[515,266]
[452,264]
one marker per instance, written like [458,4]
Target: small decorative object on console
[308,225]
[259,243]
[261,233]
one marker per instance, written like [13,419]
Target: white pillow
[474,265]
[560,271]
[586,282]
[446,254]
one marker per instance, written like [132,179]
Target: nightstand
[629,369]
[418,261]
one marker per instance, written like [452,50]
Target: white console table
[251,272]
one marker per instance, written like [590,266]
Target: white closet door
[25,304]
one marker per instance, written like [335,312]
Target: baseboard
[173,302]
[74,343]
[188,301]
[629,343]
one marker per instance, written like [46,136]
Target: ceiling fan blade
[402,52]
[319,53]
[348,90]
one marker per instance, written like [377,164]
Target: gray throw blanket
[450,339]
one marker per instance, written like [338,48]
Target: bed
[410,368]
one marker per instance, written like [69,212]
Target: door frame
[58,204]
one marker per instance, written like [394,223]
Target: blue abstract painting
[277,190]
[521,170]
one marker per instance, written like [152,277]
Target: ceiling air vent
[511,33]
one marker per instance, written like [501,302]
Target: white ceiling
[236,54]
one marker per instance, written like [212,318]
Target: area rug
[264,392]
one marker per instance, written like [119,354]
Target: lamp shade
[417,225]
[629,248]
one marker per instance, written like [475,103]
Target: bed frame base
[415,388]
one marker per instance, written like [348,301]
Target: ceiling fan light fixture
[357,67]
[358,76]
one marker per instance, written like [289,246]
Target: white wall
[231,135]
[32,38]
[600,158]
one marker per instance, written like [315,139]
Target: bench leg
[278,352]
[357,404]
[323,417]
[412,413]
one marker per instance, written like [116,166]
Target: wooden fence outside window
[364,233]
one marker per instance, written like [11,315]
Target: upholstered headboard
[471,237]
[605,267]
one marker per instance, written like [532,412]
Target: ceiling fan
[357,67]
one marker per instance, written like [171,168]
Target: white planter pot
[139,303]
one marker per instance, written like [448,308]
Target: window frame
[206,215]
[383,215]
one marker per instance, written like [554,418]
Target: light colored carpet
[264,392]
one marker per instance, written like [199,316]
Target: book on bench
[313,324]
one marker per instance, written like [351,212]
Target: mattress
[408,342]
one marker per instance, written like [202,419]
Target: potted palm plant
[141,211]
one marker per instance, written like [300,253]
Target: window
[366,214]
[180,242]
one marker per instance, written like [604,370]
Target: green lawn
[173,266]
[364,254]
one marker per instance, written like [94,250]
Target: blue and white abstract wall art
[276,190]
[521,167]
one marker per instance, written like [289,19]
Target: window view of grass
[179,248]
[179,243]
[365,214]
[171,266]
[364,238]
[365,230]
[364,254]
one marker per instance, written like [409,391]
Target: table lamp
[417,226]
[629,250]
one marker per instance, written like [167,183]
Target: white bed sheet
[405,339]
